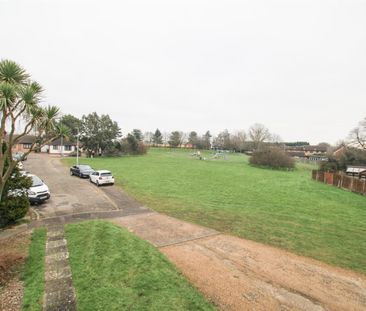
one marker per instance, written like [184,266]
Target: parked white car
[39,191]
[102,177]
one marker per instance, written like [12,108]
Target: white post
[62,146]
[77,149]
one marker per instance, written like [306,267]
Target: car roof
[103,171]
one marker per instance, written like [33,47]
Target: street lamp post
[77,148]
[62,146]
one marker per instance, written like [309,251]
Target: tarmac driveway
[71,195]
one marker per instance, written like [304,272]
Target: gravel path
[11,296]
[238,274]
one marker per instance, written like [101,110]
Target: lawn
[286,209]
[114,270]
[33,275]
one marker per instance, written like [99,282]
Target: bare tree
[275,138]
[148,137]
[183,138]
[358,135]
[222,140]
[238,140]
[166,136]
[258,133]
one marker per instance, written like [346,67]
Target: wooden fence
[341,180]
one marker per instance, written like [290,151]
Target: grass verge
[33,275]
[284,209]
[114,270]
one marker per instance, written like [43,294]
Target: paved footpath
[59,291]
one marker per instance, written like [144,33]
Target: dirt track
[237,274]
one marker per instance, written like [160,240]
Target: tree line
[224,140]
[101,135]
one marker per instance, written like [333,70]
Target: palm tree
[20,99]
[63,132]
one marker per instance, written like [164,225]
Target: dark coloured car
[83,171]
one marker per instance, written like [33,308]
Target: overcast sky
[298,67]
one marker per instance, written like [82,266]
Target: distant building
[24,143]
[339,152]
[296,154]
[309,152]
[356,171]
[55,147]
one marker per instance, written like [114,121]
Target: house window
[55,147]
[67,148]
[27,146]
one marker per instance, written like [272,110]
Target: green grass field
[33,276]
[114,270]
[286,209]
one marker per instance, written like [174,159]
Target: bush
[272,157]
[12,209]
[134,146]
[14,204]
[128,145]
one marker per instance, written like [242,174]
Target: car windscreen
[106,174]
[85,167]
[36,181]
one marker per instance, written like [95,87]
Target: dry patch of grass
[12,258]
[13,254]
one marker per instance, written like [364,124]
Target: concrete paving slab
[56,243]
[60,301]
[55,250]
[58,272]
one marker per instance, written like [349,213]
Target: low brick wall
[341,180]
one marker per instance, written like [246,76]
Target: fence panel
[328,178]
[320,176]
[341,180]
[346,182]
[337,179]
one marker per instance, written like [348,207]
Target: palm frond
[47,122]
[11,72]
[29,95]
[62,131]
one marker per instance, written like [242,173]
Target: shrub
[272,157]
[131,145]
[14,204]
[128,145]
